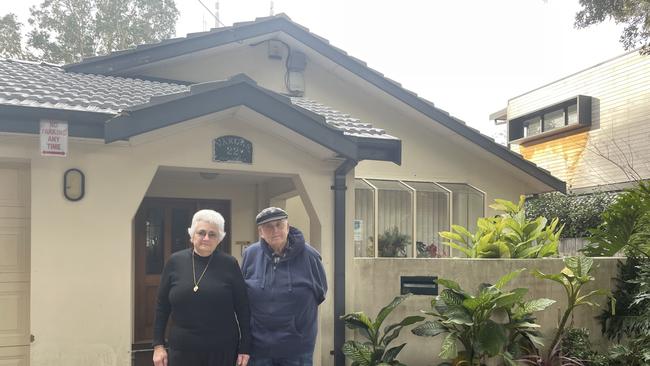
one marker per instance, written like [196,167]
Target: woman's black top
[215,316]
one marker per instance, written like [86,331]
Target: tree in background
[69,30]
[10,36]
[635,14]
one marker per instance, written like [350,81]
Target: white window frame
[413,191]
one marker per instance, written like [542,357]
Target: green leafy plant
[576,273]
[392,243]
[508,235]
[624,321]
[374,351]
[637,350]
[493,322]
[577,350]
[578,213]
[635,353]
[625,226]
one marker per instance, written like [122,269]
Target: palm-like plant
[472,321]
[576,273]
[374,351]
[509,235]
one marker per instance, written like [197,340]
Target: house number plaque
[232,149]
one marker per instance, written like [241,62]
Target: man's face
[275,233]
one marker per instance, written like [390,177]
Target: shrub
[624,320]
[374,351]
[578,213]
[473,321]
[508,235]
[625,226]
[576,349]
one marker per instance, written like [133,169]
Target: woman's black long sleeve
[216,316]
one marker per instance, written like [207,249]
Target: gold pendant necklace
[196,282]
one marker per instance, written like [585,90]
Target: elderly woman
[204,291]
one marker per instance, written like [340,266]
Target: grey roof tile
[44,85]
[341,121]
[30,84]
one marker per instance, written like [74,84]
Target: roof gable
[121,62]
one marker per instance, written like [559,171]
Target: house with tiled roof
[103,162]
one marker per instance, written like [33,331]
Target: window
[563,116]
[547,122]
[553,120]
[468,204]
[432,206]
[572,114]
[390,216]
[394,218]
[533,126]
[364,219]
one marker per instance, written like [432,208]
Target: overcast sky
[468,57]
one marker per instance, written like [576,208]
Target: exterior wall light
[74,184]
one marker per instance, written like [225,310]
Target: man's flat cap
[270,214]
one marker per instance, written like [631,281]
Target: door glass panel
[180,222]
[154,241]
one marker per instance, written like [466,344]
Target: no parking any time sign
[54,138]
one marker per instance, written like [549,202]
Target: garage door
[14,264]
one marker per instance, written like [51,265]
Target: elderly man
[286,283]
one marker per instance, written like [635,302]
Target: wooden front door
[160,230]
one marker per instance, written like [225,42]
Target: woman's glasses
[203,233]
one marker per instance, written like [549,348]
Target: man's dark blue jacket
[284,294]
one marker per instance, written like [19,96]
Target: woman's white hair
[211,217]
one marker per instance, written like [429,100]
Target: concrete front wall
[82,252]
[377,282]
[620,110]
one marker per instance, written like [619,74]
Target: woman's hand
[159,356]
[242,359]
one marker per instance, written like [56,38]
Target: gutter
[339,189]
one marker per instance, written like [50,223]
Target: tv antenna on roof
[271,10]
[217,22]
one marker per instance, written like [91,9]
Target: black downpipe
[339,258]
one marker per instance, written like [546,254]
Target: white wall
[81,255]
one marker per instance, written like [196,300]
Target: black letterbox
[418,285]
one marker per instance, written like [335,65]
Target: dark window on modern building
[559,117]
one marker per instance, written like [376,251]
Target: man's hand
[242,359]
[159,356]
